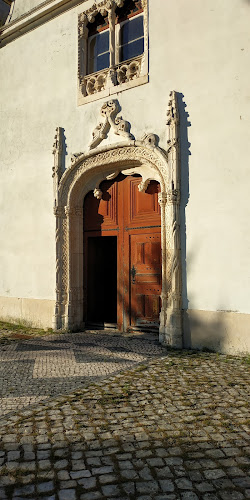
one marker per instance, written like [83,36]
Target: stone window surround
[105,82]
[86,172]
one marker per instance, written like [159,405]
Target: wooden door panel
[152,307]
[143,208]
[147,308]
[145,278]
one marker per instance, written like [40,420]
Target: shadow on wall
[184,162]
[204,330]
[64,151]
[201,329]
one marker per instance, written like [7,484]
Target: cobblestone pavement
[174,426]
[34,369]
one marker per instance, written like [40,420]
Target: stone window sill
[109,81]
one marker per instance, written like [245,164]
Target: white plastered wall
[23,7]
[201,50]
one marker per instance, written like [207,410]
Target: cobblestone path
[37,368]
[175,426]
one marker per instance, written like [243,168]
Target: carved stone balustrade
[95,82]
[122,73]
[129,70]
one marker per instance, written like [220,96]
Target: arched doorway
[85,174]
[122,255]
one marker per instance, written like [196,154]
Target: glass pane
[102,62]
[99,52]
[131,30]
[102,43]
[132,49]
[99,44]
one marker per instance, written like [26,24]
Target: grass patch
[21,331]
[114,398]
[141,368]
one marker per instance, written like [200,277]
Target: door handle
[133,273]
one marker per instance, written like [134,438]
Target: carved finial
[97,193]
[58,141]
[74,157]
[109,111]
[150,140]
[172,112]
[57,151]
[57,169]
[173,149]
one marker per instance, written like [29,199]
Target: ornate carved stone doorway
[86,173]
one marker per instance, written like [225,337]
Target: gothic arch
[85,174]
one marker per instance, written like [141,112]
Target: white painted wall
[23,6]
[198,48]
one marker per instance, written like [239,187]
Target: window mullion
[111,17]
[117,43]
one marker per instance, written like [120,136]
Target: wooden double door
[122,246]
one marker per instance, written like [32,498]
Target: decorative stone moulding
[120,75]
[109,111]
[95,82]
[87,171]
[129,70]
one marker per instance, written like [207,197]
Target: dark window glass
[131,30]
[99,52]
[132,49]
[132,38]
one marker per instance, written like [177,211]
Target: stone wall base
[221,331]
[33,312]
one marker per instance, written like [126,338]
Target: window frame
[102,83]
[118,45]
[88,49]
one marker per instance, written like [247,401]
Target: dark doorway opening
[102,281]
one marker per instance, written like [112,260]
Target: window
[112,48]
[131,38]
[98,52]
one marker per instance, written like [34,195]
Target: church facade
[124,154]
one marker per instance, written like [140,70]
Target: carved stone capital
[59,211]
[73,211]
[79,211]
[173,196]
[162,198]
[68,211]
